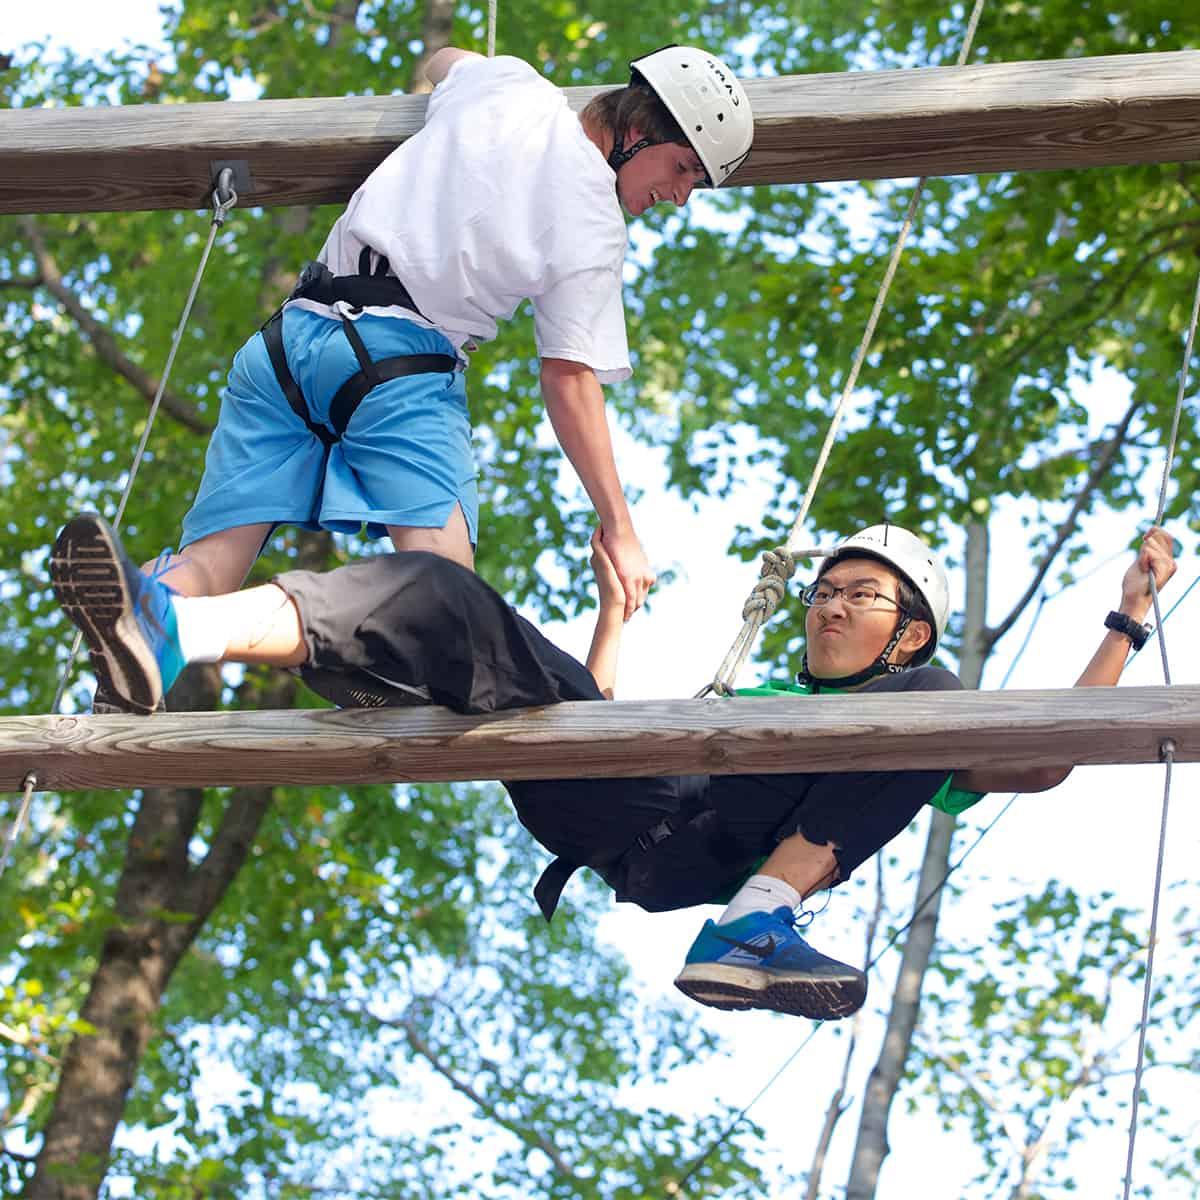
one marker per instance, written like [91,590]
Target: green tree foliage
[375,954]
[1027,1040]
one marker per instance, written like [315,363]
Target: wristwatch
[1124,624]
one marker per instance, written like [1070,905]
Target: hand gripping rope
[1166,754]
[778,567]
[223,200]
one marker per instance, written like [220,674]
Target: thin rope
[491,29]
[925,901]
[1167,753]
[1189,343]
[223,198]
[15,829]
[675,1187]
[755,615]
[1169,461]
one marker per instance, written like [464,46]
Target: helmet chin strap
[620,156]
[880,666]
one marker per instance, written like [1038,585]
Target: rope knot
[778,566]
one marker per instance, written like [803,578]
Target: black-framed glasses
[856,595]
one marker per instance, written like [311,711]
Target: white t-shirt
[501,197]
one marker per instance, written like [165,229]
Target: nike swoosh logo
[750,948]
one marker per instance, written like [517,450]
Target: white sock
[203,633]
[761,893]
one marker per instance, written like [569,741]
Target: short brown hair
[636,106]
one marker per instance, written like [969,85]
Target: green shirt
[949,799]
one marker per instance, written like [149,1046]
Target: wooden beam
[836,733]
[1082,112]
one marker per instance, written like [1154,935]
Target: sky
[1098,830]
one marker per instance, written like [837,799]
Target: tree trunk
[137,959]
[871,1145]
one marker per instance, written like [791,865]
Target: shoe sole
[736,988]
[86,571]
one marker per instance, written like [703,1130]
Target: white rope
[491,29]
[18,824]
[733,662]
[223,198]
[221,209]
[1166,752]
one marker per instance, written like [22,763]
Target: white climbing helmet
[707,100]
[913,558]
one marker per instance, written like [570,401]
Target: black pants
[379,627]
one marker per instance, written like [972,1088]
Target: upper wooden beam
[836,733]
[1082,112]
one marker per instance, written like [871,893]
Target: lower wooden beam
[1079,112]
[625,738]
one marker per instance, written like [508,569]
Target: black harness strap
[318,283]
[549,888]
[272,333]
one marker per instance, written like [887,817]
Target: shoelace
[804,918]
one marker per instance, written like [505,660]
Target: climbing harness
[369,287]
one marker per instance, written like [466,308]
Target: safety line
[1167,753]
[779,565]
[18,825]
[223,199]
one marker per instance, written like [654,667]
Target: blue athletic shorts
[405,458]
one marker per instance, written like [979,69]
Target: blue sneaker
[760,961]
[126,617]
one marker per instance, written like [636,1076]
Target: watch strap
[1124,624]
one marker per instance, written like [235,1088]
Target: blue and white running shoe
[126,617]
[760,961]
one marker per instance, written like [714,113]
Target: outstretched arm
[1104,670]
[575,404]
[606,639]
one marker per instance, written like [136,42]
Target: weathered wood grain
[837,733]
[1084,112]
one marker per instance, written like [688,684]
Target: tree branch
[406,1026]
[1067,527]
[1044,328]
[101,339]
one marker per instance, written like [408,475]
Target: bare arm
[438,66]
[1104,669]
[610,621]
[575,404]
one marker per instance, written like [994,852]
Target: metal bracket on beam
[243,180]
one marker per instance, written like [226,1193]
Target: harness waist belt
[317,282]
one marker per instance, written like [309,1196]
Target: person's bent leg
[212,565]
[752,956]
[420,620]
[140,633]
[452,541]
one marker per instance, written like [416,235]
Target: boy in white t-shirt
[349,407]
